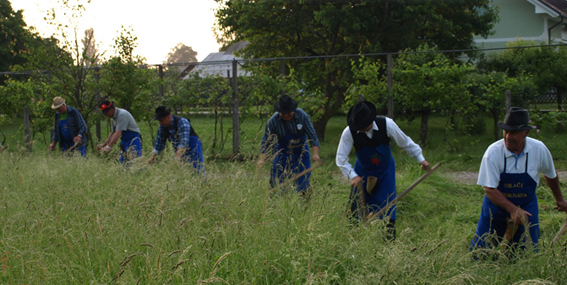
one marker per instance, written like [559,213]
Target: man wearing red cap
[509,173]
[374,171]
[124,127]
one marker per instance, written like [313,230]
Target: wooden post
[282,72]
[27,132]
[390,85]
[508,100]
[161,93]
[235,110]
[98,99]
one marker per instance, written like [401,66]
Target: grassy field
[70,220]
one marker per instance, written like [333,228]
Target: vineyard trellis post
[390,84]
[98,100]
[27,132]
[508,100]
[235,111]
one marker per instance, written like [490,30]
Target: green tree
[427,82]
[180,54]
[282,28]
[125,81]
[548,65]
[60,64]
[15,37]
[488,90]
[63,62]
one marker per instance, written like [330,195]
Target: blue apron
[291,157]
[67,142]
[518,188]
[130,144]
[194,154]
[377,162]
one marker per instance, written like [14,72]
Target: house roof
[217,63]
[553,8]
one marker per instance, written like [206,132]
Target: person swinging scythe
[373,178]
[509,173]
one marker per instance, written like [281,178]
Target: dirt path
[470,177]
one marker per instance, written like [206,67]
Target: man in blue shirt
[179,131]
[70,129]
[289,127]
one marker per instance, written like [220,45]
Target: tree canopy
[15,37]
[181,53]
[283,28]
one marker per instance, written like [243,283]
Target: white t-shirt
[492,165]
[393,131]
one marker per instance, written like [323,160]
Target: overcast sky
[159,25]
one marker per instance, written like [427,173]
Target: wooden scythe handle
[393,202]
[561,231]
[511,230]
[302,173]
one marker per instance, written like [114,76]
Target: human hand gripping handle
[425,165]
[520,216]
[561,205]
[356,181]
[315,155]
[100,146]
[77,140]
[51,146]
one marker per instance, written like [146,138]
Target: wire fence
[233,123]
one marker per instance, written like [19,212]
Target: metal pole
[235,111]
[390,84]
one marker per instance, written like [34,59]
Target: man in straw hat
[124,127]
[509,173]
[290,127]
[374,170]
[70,129]
[179,131]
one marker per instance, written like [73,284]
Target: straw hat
[57,102]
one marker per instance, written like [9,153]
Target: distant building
[217,64]
[537,20]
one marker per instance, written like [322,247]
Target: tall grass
[74,220]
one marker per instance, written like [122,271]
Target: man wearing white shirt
[509,173]
[374,170]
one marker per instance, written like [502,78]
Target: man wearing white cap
[70,129]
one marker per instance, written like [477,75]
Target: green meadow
[70,220]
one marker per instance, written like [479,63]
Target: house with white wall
[538,20]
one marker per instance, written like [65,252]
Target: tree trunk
[320,126]
[424,127]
